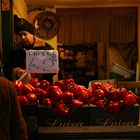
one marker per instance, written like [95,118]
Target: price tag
[42,61]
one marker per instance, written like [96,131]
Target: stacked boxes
[88,116]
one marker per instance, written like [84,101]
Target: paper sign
[42,61]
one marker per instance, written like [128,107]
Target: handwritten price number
[48,62]
[41,61]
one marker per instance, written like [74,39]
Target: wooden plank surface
[89,132]
[89,129]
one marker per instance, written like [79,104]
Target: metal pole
[0,33]
[1,64]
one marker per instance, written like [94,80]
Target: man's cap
[20,24]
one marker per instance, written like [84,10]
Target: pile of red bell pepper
[65,95]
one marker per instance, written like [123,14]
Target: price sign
[42,61]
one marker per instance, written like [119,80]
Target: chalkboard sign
[42,61]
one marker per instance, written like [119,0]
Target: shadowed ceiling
[82,3]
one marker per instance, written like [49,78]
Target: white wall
[20,8]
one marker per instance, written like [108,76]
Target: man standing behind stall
[15,65]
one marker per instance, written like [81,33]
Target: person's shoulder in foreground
[12,123]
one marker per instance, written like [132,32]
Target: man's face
[27,38]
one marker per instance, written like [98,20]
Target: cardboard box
[47,118]
[30,113]
[99,117]
[83,116]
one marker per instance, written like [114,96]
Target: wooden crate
[130,85]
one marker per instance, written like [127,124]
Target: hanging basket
[47,25]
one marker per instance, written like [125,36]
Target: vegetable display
[65,95]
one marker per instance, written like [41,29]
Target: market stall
[102,110]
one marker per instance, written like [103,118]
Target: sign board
[42,61]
